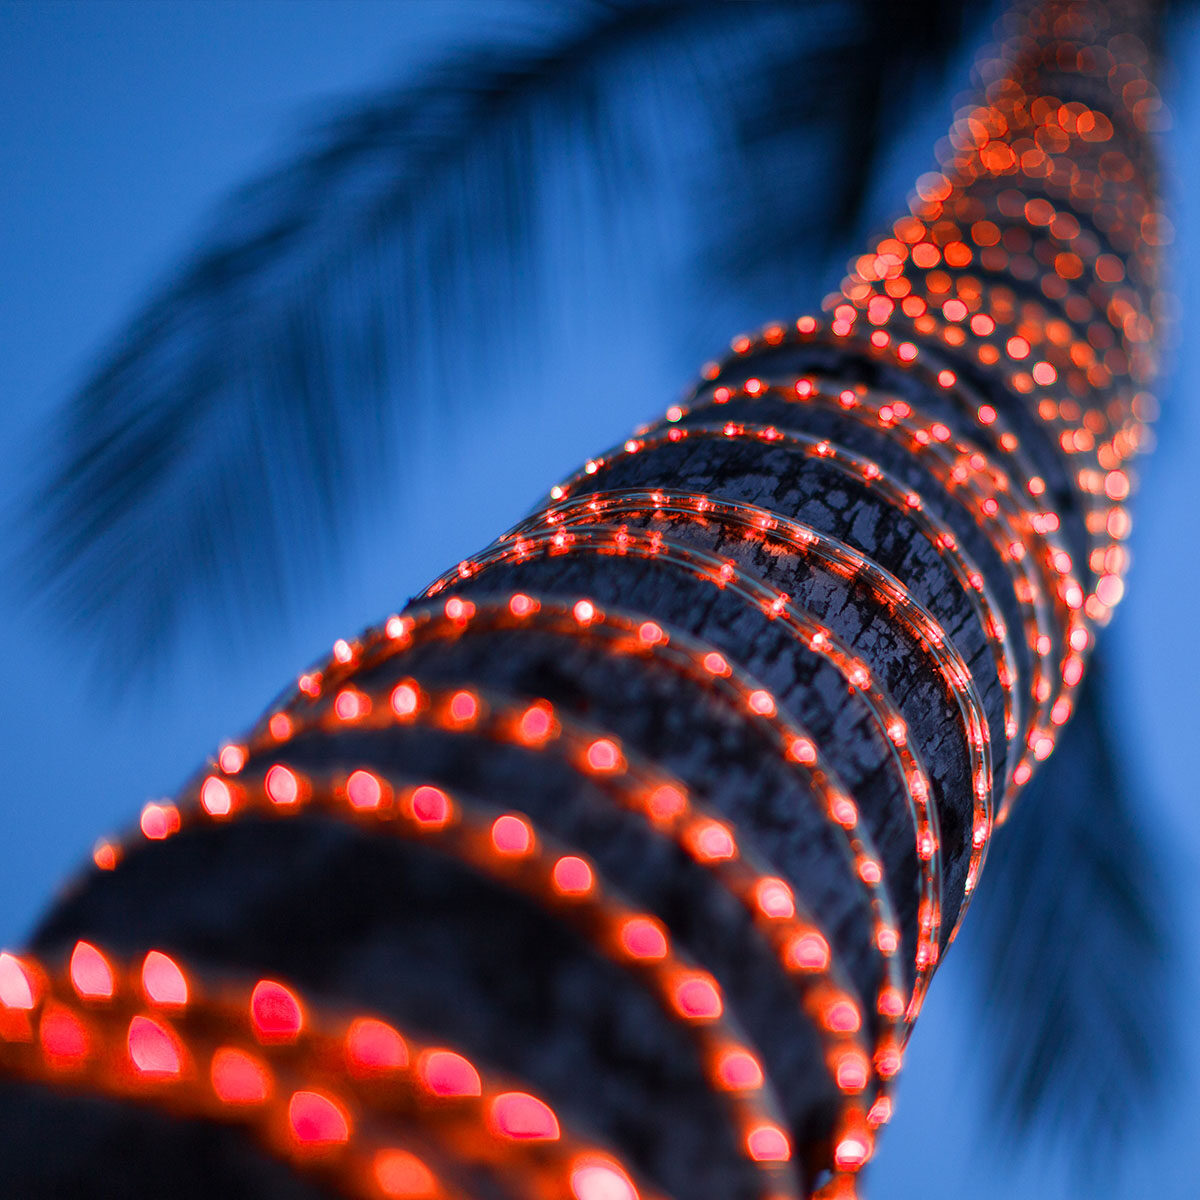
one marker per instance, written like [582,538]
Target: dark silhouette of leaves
[249,409]
[1070,954]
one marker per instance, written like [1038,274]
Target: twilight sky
[121,124]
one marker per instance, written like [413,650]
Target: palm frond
[247,412]
[1070,955]
[809,155]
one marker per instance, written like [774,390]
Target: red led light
[603,755]
[238,1077]
[596,1180]
[163,981]
[373,1046]
[843,1016]
[275,1012]
[740,1071]
[536,723]
[572,876]
[445,1073]
[768,1143]
[405,699]
[463,707]
[216,797]
[317,1120]
[64,1038]
[511,835]
[159,821]
[402,1176]
[697,997]
[775,898]
[429,806]
[105,856]
[523,1117]
[712,841]
[809,952]
[282,786]
[666,802]
[154,1049]
[91,975]
[643,937]
[364,791]
[232,759]
[16,985]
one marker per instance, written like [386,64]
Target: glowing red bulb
[159,821]
[536,724]
[650,634]
[445,1073]
[232,759]
[317,1120]
[809,952]
[154,1049]
[405,699]
[511,835]
[463,707]
[349,705]
[739,1071]
[275,1012]
[697,997]
[603,755]
[282,786]
[643,937]
[105,856]
[91,975]
[572,876]
[521,605]
[65,1039]
[373,1045]
[768,1143]
[16,985]
[523,1117]
[666,802]
[843,1017]
[364,791]
[852,1152]
[775,898]
[238,1077]
[215,797]
[403,1176]
[712,842]
[597,1179]
[163,981]
[803,751]
[429,806]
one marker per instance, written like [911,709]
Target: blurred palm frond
[1070,955]
[244,415]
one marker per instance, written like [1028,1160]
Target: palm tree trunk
[664,808]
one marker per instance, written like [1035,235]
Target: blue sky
[121,124]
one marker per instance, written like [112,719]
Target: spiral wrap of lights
[734,714]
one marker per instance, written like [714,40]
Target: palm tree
[790,870]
